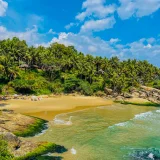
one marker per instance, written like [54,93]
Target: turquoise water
[114,132]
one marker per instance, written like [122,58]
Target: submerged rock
[145,154]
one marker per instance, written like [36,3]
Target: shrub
[71,84]
[56,87]
[4,153]
[86,89]
[30,83]
[156,84]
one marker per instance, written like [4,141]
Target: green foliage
[30,82]
[56,87]
[156,84]
[71,83]
[57,69]
[42,149]
[31,130]
[4,153]
[139,104]
[86,88]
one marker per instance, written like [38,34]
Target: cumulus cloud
[70,25]
[3,7]
[114,40]
[30,35]
[86,44]
[137,8]
[140,49]
[95,8]
[98,25]
[51,31]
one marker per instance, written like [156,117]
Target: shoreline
[48,108]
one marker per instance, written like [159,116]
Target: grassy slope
[37,127]
[42,149]
[139,104]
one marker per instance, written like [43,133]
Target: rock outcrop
[151,94]
[147,93]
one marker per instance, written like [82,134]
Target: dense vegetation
[60,69]
[4,153]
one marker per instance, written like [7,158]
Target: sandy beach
[47,108]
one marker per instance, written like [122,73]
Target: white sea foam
[143,115]
[151,156]
[140,116]
[58,121]
[158,111]
[73,151]
[119,125]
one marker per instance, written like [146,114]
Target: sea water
[113,132]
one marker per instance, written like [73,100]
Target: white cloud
[149,46]
[114,40]
[51,32]
[86,44]
[71,25]
[140,49]
[95,8]
[3,7]
[137,8]
[30,35]
[98,25]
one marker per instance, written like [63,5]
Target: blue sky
[123,28]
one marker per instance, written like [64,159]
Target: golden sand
[137,100]
[47,108]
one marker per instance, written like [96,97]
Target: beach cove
[95,128]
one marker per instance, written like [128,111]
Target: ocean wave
[143,115]
[58,121]
[158,111]
[123,124]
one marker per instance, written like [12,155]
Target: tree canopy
[61,69]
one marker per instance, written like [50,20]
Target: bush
[30,83]
[86,89]
[4,153]
[56,87]
[71,84]
[156,84]
[7,89]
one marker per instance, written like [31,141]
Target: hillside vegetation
[60,69]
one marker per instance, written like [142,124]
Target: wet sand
[47,108]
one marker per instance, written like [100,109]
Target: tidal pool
[113,132]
